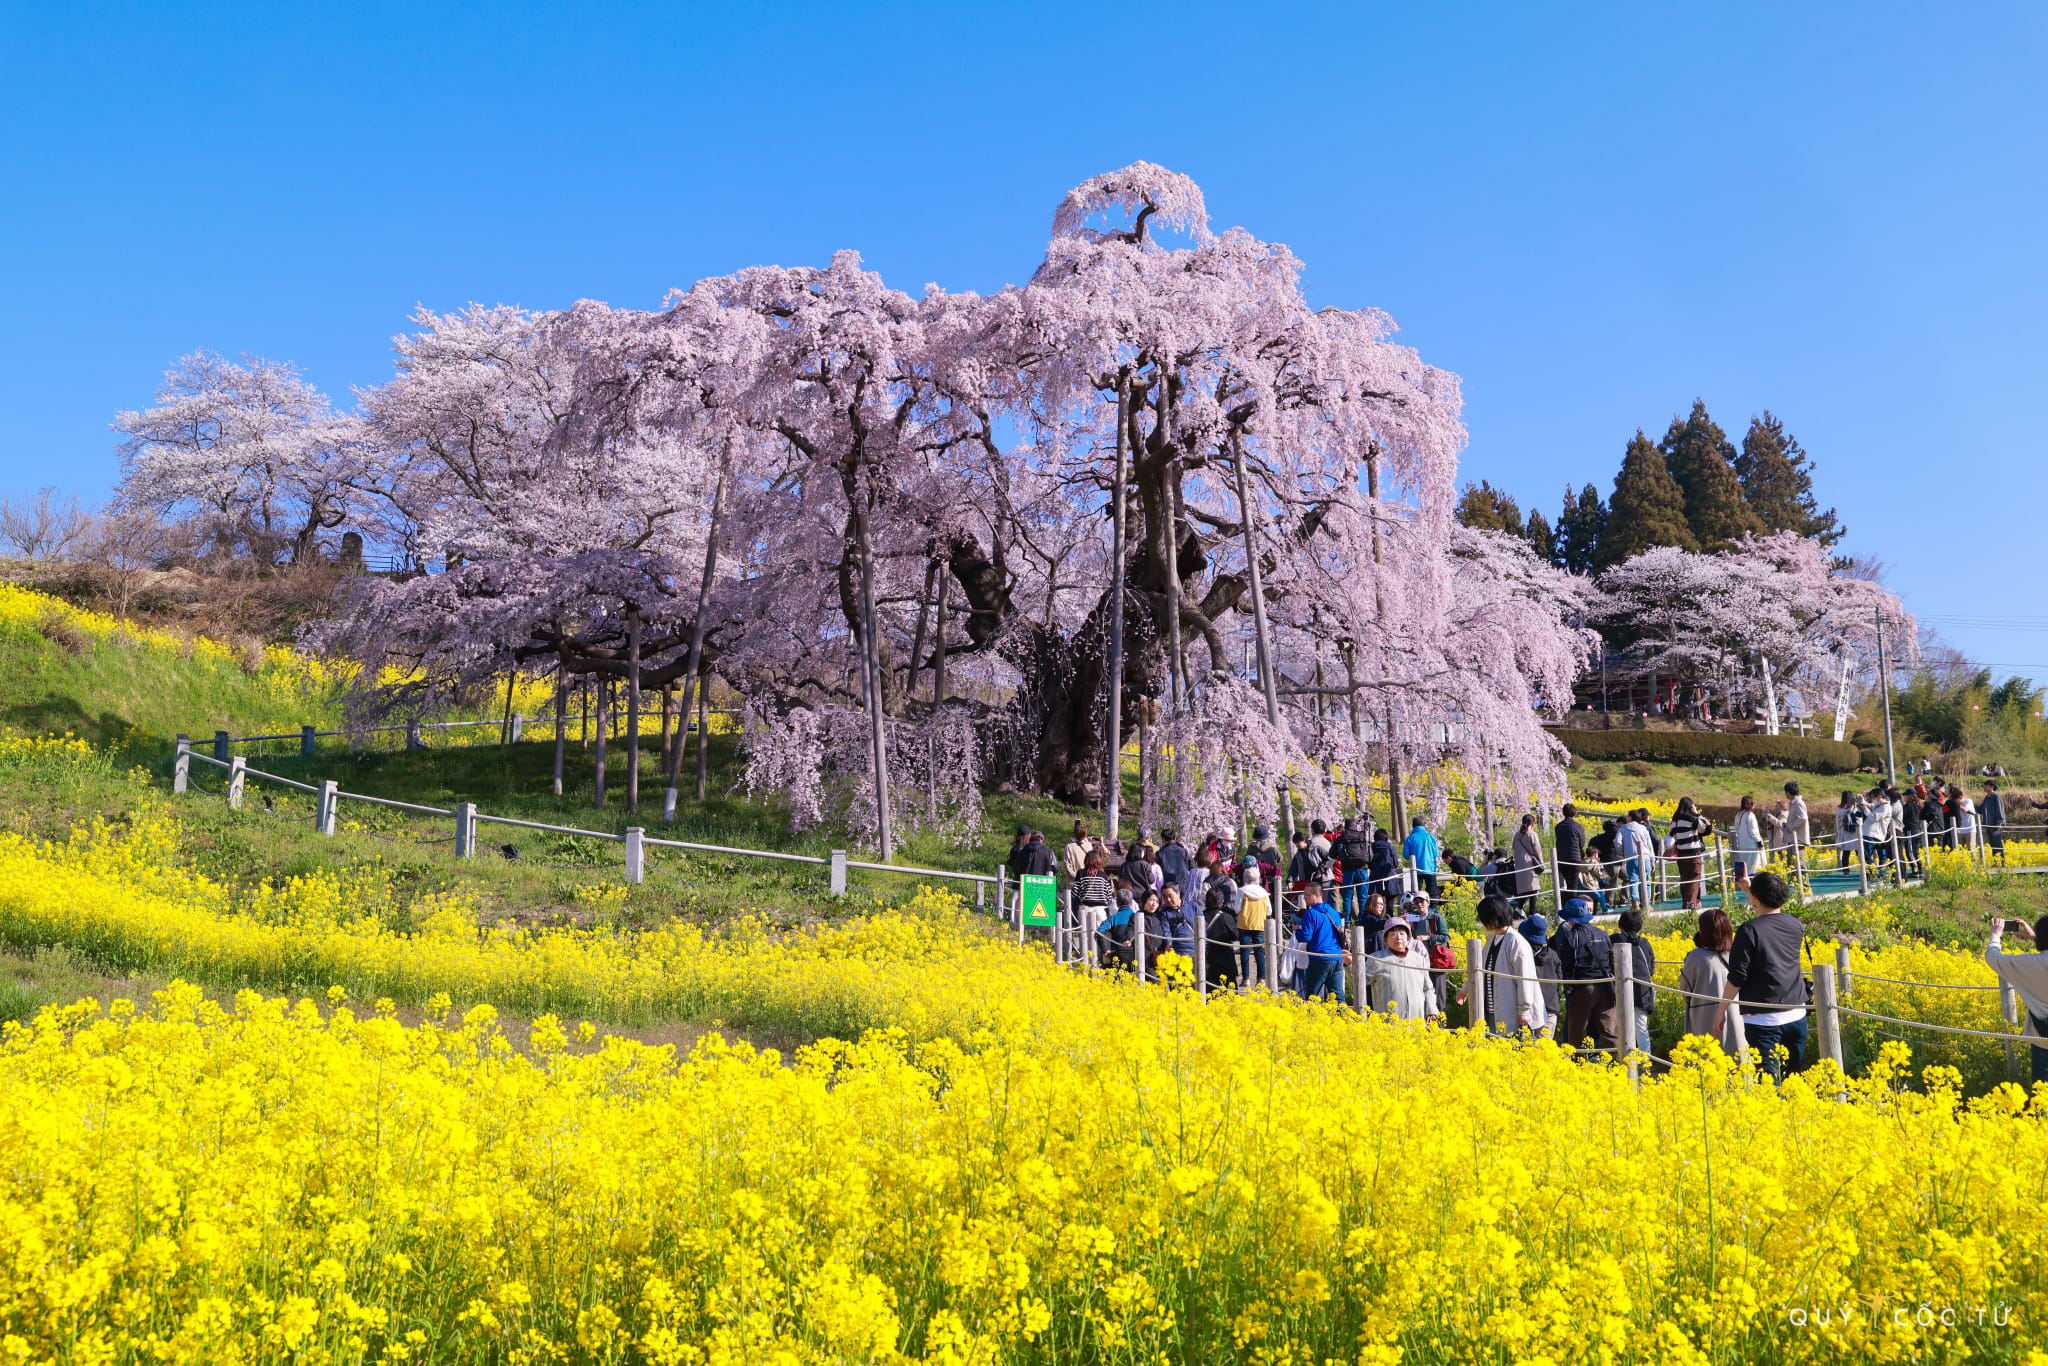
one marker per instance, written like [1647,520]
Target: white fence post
[980,896]
[412,735]
[839,872]
[2009,1007]
[181,767]
[636,854]
[220,745]
[518,726]
[237,770]
[1273,950]
[307,742]
[1475,983]
[323,811]
[465,829]
[1625,1006]
[1358,969]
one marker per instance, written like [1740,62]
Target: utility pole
[1884,684]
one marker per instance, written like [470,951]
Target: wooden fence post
[1273,951]
[1625,1008]
[1827,1012]
[465,829]
[307,742]
[220,745]
[1358,1002]
[838,883]
[2009,1007]
[181,767]
[237,769]
[325,804]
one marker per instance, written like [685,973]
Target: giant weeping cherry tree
[950,540]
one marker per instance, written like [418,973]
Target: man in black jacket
[1991,812]
[1354,851]
[1571,848]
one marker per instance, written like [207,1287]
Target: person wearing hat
[1398,981]
[1267,857]
[1432,935]
[1549,966]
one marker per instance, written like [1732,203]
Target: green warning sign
[1041,900]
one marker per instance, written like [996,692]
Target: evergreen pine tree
[1579,528]
[1777,481]
[1648,507]
[1487,508]
[1541,538]
[1698,454]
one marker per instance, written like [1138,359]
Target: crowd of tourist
[1349,883]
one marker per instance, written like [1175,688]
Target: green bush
[1709,747]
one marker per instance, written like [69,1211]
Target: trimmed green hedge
[1709,747]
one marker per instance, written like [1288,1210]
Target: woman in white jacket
[1748,842]
[1513,999]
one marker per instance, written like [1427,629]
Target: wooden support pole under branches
[1260,627]
[703,738]
[1113,797]
[871,668]
[561,719]
[697,628]
[633,712]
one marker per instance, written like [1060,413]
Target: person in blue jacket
[1323,941]
[1421,852]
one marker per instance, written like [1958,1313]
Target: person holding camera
[2027,975]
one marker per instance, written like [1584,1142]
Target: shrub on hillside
[1709,747]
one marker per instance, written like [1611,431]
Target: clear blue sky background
[1593,214]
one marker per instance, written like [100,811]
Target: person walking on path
[1630,939]
[2027,975]
[1174,861]
[1568,838]
[1992,812]
[1253,906]
[1528,863]
[1354,851]
[1322,943]
[1798,827]
[1585,955]
[1747,843]
[1689,831]
[1763,974]
[1549,966]
[1397,978]
[1639,851]
[1422,852]
[1512,997]
[1704,973]
[1075,856]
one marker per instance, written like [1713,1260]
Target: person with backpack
[1764,976]
[1549,966]
[1354,853]
[1384,866]
[1116,938]
[1398,981]
[2027,975]
[1511,999]
[1174,860]
[1074,858]
[1306,870]
[1585,955]
[1629,939]
[1253,906]
[1704,975]
[1322,944]
[1422,852]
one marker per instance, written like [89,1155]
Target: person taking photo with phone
[2027,975]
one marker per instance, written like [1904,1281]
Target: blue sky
[1593,214]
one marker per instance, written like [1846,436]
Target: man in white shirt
[2027,975]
